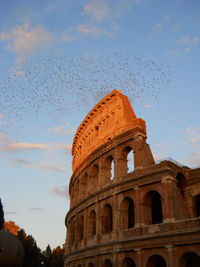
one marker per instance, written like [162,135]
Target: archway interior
[156,261]
[189,259]
[128,262]
[107,220]
[156,208]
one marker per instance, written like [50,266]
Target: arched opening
[90,265]
[156,209]
[127,160]
[83,186]
[198,205]
[130,161]
[107,220]
[92,224]
[95,177]
[128,262]
[107,263]
[109,169]
[153,208]
[156,261]
[80,228]
[181,182]
[127,218]
[189,259]
[76,191]
[71,232]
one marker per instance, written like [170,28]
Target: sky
[57,60]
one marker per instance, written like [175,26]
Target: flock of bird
[53,84]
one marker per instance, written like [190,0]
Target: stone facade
[146,216]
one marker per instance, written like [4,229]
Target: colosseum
[126,209]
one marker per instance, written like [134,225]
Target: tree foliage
[54,258]
[1,216]
[33,255]
[35,258]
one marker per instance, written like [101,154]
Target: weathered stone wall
[122,217]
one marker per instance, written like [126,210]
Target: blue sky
[57,59]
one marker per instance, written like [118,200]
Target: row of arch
[89,181]
[126,216]
[153,215]
[188,259]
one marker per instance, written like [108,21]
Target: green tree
[47,256]
[57,257]
[1,216]
[33,255]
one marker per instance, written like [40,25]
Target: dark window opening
[107,263]
[156,209]
[131,219]
[156,261]
[198,206]
[128,262]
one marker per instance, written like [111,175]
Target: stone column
[101,173]
[139,210]
[85,228]
[168,215]
[98,221]
[115,212]
[170,255]
[139,257]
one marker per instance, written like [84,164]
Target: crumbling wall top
[112,116]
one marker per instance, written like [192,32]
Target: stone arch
[92,224]
[83,185]
[153,208]
[71,232]
[189,259]
[156,261]
[181,182]
[76,191]
[90,264]
[127,218]
[107,219]
[128,262]
[109,169]
[94,178]
[128,159]
[107,263]
[80,230]
[197,205]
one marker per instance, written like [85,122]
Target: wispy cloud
[9,145]
[188,40]
[97,10]
[161,151]
[193,135]
[148,106]
[35,208]
[16,146]
[158,27]
[31,164]
[11,212]
[63,131]
[92,30]
[59,191]
[24,40]
[2,117]
[193,141]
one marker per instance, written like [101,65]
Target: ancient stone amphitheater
[125,209]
